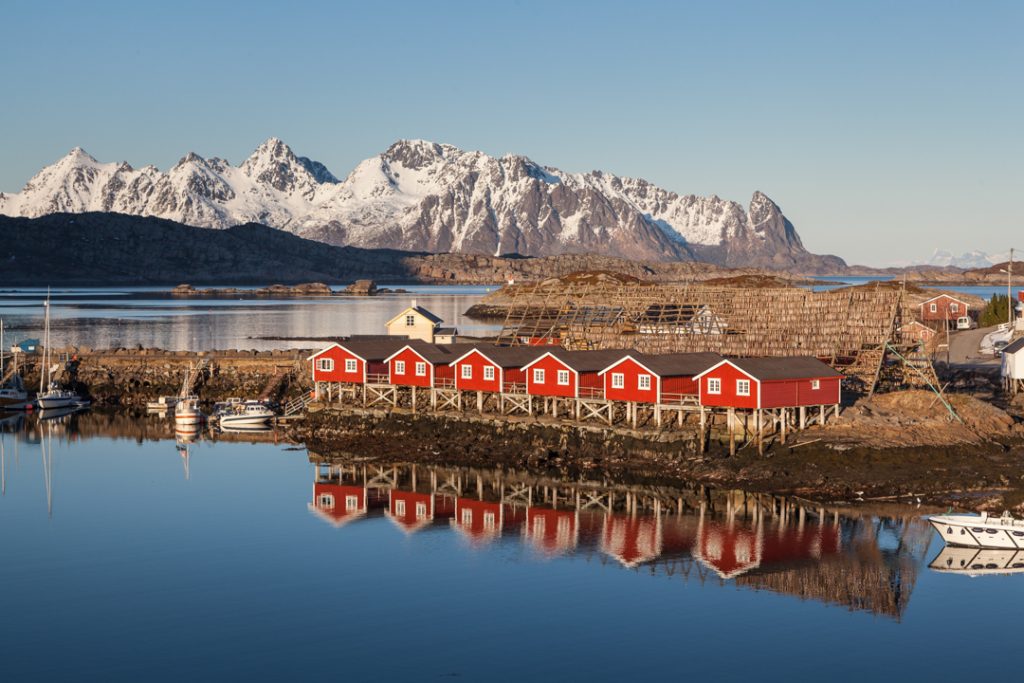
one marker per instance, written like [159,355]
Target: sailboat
[12,390]
[186,410]
[51,395]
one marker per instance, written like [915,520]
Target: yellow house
[417,322]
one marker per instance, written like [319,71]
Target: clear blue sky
[883,129]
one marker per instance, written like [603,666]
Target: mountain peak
[80,156]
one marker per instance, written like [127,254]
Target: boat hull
[52,403]
[244,420]
[12,403]
[979,532]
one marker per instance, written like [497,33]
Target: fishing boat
[978,561]
[187,412]
[51,395]
[980,531]
[246,414]
[13,395]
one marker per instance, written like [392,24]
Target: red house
[728,549]
[493,368]
[353,362]
[662,378]
[482,521]
[419,364]
[751,383]
[412,511]
[552,532]
[943,307]
[568,374]
[631,540]
[338,504]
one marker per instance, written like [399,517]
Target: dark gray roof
[509,356]
[587,361]
[679,364]
[375,349]
[426,314]
[1014,346]
[446,330]
[793,367]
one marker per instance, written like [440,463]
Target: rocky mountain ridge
[425,196]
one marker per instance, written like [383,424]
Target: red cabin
[412,511]
[944,307]
[338,504]
[418,364]
[752,383]
[493,369]
[353,362]
[552,531]
[482,521]
[663,378]
[568,374]
[631,540]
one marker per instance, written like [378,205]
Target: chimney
[413,304]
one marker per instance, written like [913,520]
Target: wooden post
[732,431]
[803,418]
[837,413]
[480,401]
[703,428]
[414,399]
[784,415]
[821,415]
[760,432]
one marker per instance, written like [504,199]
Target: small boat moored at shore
[245,414]
[981,531]
[186,411]
[162,404]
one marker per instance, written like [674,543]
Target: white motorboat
[56,397]
[187,412]
[162,404]
[980,531]
[246,414]
[978,561]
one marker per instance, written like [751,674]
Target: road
[964,348]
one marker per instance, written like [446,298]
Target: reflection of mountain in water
[847,557]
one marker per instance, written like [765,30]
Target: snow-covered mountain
[971,259]
[425,196]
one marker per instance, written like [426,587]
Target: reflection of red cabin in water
[412,511]
[733,549]
[631,540]
[678,535]
[552,531]
[481,520]
[338,503]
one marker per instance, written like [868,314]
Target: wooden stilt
[760,432]
[732,431]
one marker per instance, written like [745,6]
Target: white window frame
[467,516]
[815,384]
[643,382]
[410,320]
[618,380]
[490,520]
[421,369]
[399,367]
[934,308]
[743,387]
[351,503]
[351,365]
[563,378]
[466,371]
[954,308]
[421,510]
[488,373]
[325,364]
[400,508]
[325,501]
[714,385]
[538,375]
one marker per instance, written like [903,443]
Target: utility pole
[1009,286]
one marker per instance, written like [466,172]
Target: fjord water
[123,560]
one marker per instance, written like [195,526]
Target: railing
[378,379]
[514,387]
[591,392]
[679,399]
[444,383]
[298,404]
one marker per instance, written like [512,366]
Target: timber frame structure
[857,330]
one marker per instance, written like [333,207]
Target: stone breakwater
[130,377]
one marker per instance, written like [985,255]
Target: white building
[417,322]
[1013,365]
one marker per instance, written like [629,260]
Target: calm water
[114,317]
[123,559]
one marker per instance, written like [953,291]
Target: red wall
[632,370]
[798,392]
[942,311]
[673,387]
[339,356]
[550,365]
[728,398]
[410,379]
[477,361]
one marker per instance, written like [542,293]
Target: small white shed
[1013,365]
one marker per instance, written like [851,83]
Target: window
[351,365]
[324,364]
[421,369]
[400,508]
[563,378]
[954,308]
[410,320]
[489,520]
[743,387]
[643,382]
[421,510]
[351,502]
[618,380]
[467,517]
[467,371]
[489,373]
[325,500]
[538,376]
[815,384]
[714,385]
[933,308]
[399,367]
